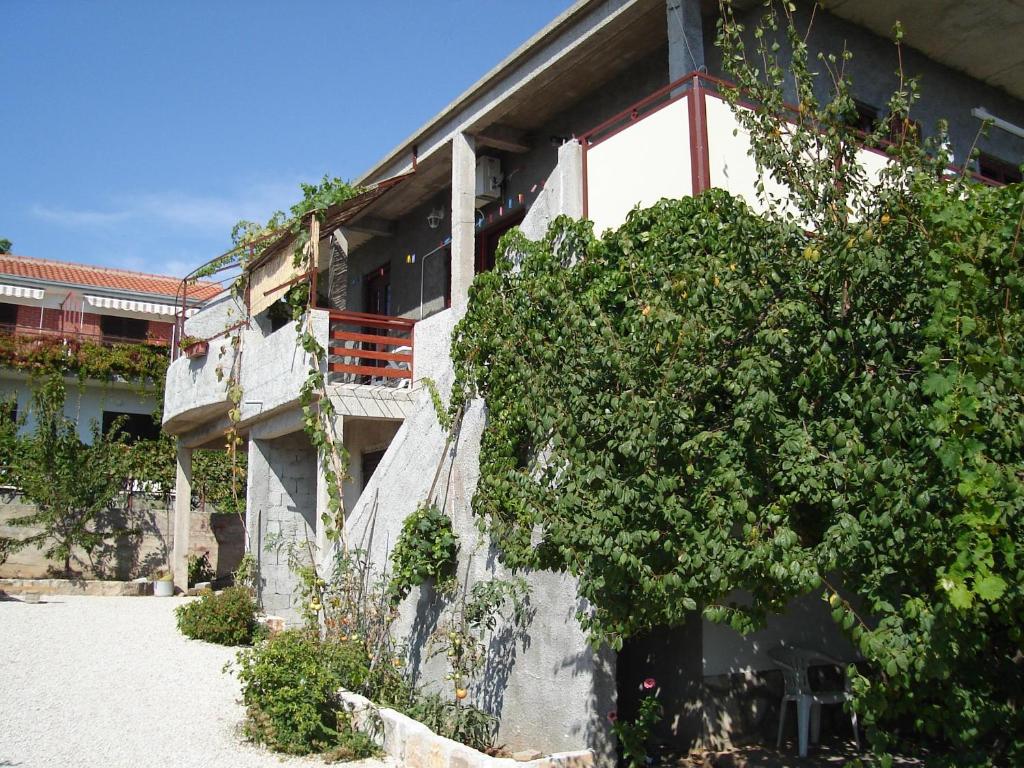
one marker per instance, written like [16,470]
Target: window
[9,408]
[135,426]
[993,168]
[866,117]
[124,327]
[8,314]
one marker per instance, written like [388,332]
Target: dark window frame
[997,169]
[136,427]
[127,328]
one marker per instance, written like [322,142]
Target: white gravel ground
[109,682]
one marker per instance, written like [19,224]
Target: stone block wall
[143,544]
[282,509]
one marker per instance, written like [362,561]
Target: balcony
[677,142]
[73,333]
[370,349]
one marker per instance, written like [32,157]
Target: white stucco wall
[85,403]
[640,165]
[551,691]
[806,623]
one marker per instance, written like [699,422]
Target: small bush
[454,720]
[199,569]
[290,688]
[226,618]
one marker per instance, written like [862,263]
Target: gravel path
[109,682]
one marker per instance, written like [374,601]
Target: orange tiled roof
[87,275]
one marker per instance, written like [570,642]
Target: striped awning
[22,292]
[130,305]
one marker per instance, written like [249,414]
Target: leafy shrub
[226,618]
[290,688]
[426,549]
[454,720]
[199,569]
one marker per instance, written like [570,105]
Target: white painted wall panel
[647,161]
[733,169]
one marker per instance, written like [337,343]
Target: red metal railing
[370,346]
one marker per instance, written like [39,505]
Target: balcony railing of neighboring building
[79,334]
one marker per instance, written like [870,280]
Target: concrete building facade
[612,105]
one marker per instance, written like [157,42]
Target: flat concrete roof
[581,33]
[594,39]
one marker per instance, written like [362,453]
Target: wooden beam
[373,225]
[504,138]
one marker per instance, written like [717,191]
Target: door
[487,241]
[377,296]
[376,301]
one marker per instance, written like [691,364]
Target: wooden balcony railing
[368,347]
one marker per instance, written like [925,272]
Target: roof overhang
[273,272]
[583,48]
[976,37]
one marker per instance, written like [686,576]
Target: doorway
[377,291]
[487,241]
[376,301]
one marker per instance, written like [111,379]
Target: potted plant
[194,347]
[163,583]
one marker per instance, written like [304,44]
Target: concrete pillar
[570,181]
[182,516]
[685,38]
[255,494]
[463,218]
[325,547]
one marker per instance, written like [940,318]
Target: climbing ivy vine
[301,228]
[825,398]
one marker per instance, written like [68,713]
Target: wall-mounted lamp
[435,217]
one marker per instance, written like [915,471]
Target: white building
[613,104]
[68,308]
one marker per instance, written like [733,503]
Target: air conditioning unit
[488,180]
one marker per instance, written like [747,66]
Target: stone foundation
[413,745]
[75,587]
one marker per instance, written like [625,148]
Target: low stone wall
[143,544]
[412,745]
[75,587]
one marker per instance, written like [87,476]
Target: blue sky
[136,132]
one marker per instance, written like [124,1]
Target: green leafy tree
[5,245]
[72,484]
[825,396]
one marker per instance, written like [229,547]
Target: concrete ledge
[76,587]
[412,745]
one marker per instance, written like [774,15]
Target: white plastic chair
[794,663]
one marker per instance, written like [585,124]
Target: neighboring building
[597,113]
[58,302]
